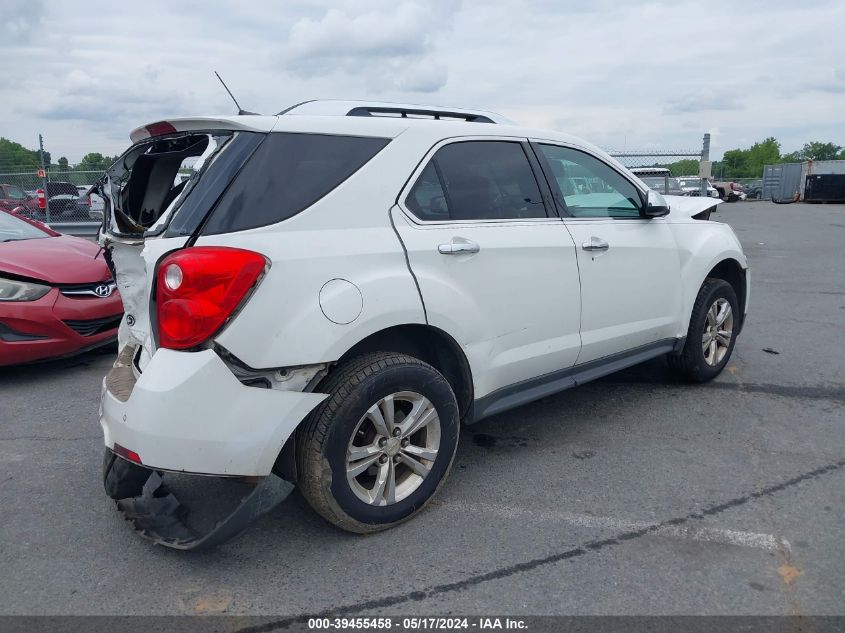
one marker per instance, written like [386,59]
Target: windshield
[14,229]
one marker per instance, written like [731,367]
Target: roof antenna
[240,109]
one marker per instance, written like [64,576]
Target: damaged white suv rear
[320,298]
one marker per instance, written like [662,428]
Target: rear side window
[287,174]
[477,180]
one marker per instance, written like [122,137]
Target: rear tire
[714,325]
[379,447]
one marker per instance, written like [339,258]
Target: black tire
[121,478]
[323,439]
[691,362]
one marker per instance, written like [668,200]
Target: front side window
[588,187]
[477,180]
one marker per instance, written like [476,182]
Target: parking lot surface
[635,494]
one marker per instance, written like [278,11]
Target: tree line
[14,157]
[749,163]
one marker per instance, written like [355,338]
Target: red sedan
[57,296]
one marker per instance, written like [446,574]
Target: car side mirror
[655,205]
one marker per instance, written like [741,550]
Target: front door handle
[458,246]
[595,244]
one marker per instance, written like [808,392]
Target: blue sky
[635,75]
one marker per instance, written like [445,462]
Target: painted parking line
[756,540]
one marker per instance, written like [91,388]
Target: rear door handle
[595,244]
[458,246]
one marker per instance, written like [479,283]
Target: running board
[158,516]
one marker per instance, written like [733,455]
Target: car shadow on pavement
[498,438]
[51,368]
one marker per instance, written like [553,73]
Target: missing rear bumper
[158,516]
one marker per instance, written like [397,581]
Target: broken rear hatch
[156,198]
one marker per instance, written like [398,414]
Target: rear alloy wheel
[712,332]
[378,448]
[393,448]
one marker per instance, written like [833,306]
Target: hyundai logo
[103,290]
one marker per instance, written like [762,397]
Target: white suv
[336,288]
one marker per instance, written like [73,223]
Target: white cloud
[401,30]
[653,74]
[20,20]
[700,101]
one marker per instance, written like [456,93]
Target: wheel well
[731,271]
[429,344]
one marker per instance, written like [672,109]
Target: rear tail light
[86,200]
[42,198]
[198,289]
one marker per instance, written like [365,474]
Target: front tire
[712,332]
[380,446]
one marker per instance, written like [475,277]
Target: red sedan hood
[56,260]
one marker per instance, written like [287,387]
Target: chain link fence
[683,164]
[679,163]
[57,198]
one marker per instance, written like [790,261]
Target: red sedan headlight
[15,290]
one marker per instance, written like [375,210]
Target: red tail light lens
[42,198]
[198,288]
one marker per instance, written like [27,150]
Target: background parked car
[65,203]
[13,197]
[94,202]
[755,189]
[691,186]
[57,296]
[729,191]
[659,179]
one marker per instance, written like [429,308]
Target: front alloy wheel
[712,332]
[718,332]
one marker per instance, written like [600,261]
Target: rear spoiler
[247,123]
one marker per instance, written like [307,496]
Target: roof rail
[422,112]
[330,107]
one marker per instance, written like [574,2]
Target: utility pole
[44,178]
[705,165]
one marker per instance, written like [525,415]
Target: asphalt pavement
[636,494]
